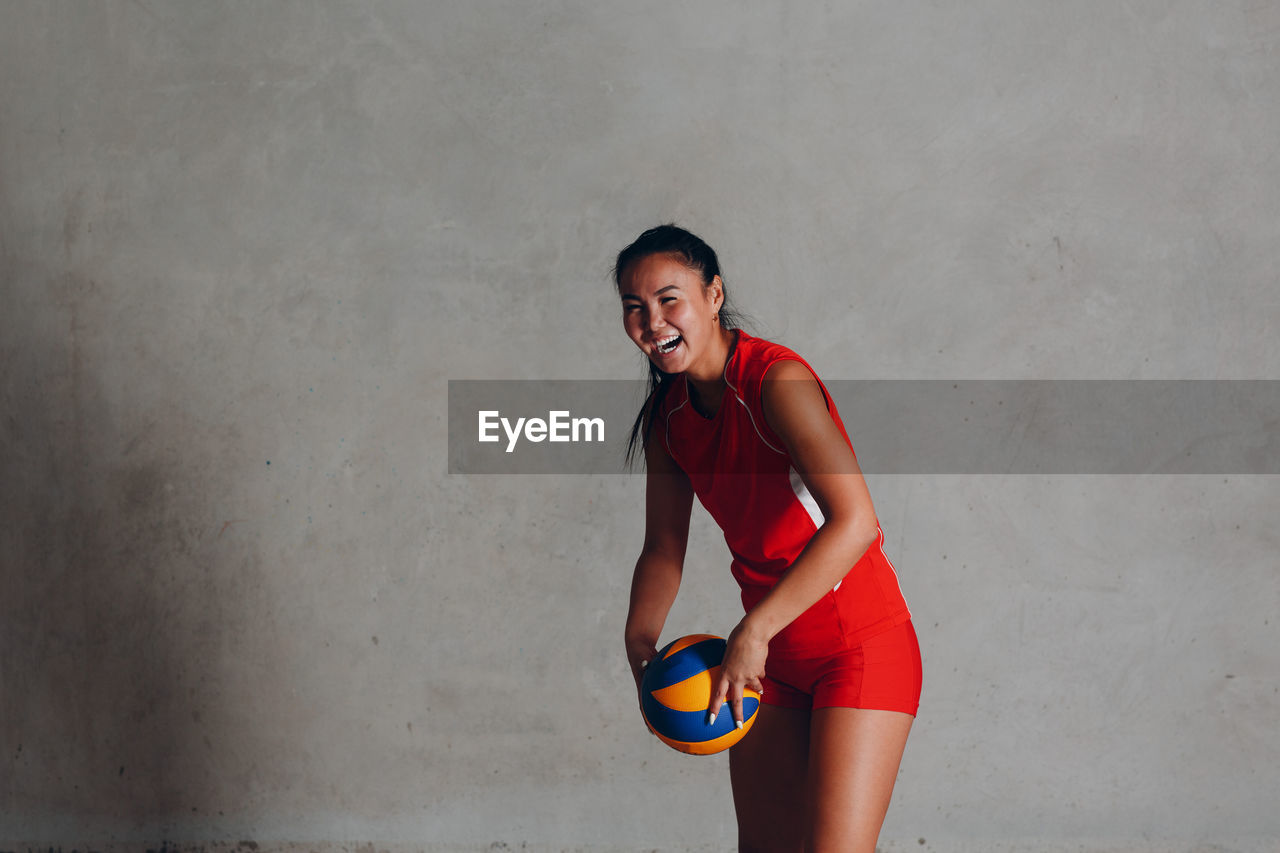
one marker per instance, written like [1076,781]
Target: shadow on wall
[111,627]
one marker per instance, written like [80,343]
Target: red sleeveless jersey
[744,476]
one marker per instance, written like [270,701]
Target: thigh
[881,673]
[854,756]
[769,768]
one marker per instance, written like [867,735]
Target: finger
[717,699]
[735,704]
[757,685]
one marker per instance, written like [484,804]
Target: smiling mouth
[667,346]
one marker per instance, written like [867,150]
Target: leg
[853,762]
[768,769]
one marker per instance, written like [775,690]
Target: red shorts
[883,673]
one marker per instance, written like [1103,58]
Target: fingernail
[738,723]
[711,721]
[643,664]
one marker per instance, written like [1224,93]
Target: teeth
[666,345]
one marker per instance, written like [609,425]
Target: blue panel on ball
[689,661]
[691,726]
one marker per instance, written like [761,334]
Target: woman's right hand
[656,579]
[640,653]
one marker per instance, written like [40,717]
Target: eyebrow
[662,290]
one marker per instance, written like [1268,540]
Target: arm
[796,411]
[668,503]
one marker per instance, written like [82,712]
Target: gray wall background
[246,245]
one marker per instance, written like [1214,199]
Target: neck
[708,376]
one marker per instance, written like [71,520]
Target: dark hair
[697,256]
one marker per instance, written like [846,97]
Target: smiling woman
[670,285]
[663,306]
[746,426]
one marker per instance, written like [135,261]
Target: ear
[717,292]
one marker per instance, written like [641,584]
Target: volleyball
[675,693]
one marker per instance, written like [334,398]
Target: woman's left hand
[743,666]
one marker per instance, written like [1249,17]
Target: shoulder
[753,357]
[790,388]
[790,370]
[757,358]
[759,349]
[798,410]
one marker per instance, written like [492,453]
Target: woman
[747,426]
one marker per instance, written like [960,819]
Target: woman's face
[669,313]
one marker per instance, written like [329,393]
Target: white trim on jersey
[806,499]
[666,422]
[810,505]
[892,568]
[737,396]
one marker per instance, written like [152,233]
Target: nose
[656,321]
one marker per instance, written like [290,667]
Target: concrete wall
[246,245]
